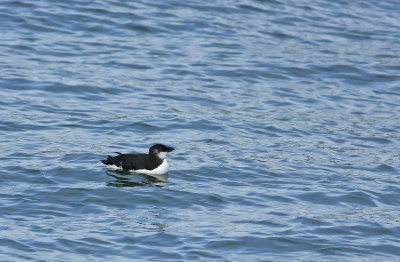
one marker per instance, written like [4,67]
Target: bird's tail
[108,161]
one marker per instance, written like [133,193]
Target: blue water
[284,116]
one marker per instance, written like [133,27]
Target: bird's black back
[133,161]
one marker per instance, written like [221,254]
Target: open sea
[284,116]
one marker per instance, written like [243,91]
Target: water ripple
[284,116]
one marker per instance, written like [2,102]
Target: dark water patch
[141,28]
[214,141]
[278,103]
[124,65]
[359,198]
[14,127]
[179,72]
[339,68]
[281,35]
[15,245]
[388,198]
[281,199]
[378,140]
[144,126]
[253,8]
[199,124]
[43,87]
[382,92]
[262,223]
[26,176]
[386,168]
[130,180]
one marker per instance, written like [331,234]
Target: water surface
[284,116]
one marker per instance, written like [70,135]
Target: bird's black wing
[134,161]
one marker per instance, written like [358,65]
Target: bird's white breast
[160,170]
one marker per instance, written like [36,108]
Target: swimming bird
[153,163]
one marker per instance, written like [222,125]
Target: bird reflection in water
[127,179]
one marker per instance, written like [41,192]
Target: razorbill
[153,163]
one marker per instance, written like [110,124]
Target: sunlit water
[284,116]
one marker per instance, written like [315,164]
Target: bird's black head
[160,150]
